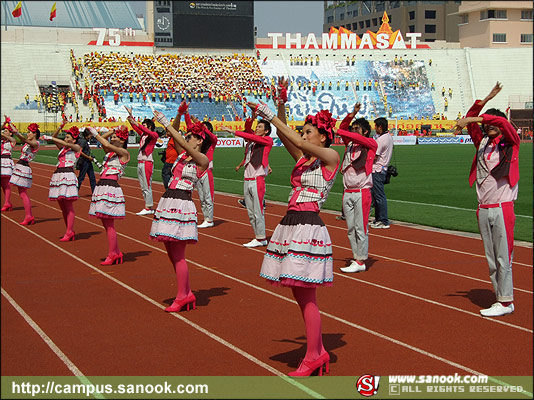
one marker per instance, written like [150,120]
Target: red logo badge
[367,385]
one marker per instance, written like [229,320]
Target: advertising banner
[404,140]
[464,139]
[439,140]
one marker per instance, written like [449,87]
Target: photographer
[380,168]
[85,161]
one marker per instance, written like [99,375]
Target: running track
[415,311]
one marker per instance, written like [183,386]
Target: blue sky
[278,16]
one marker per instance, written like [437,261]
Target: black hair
[266,126]
[208,125]
[364,124]
[383,123]
[37,134]
[496,112]
[206,143]
[323,131]
[493,111]
[75,139]
[150,124]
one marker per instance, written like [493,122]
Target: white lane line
[243,353]
[49,342]
[347,249]
[417,227]
[367,330]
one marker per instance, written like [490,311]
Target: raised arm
[328,156]
[345,124]
[33,143]
[138,128]
[200,158]
[58,142]
[107,146]
[281,100]
[366,142]
[9,138]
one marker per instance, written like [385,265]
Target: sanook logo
[367,385]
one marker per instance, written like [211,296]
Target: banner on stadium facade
[404,140]
[344,39]
[464,139]
[438,140]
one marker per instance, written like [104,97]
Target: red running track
[415,311]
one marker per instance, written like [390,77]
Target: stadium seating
[465,71]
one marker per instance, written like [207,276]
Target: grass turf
[431,189]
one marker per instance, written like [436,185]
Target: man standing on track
[383,155]
[495,169]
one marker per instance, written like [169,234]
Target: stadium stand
[413,89]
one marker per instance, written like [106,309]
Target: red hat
[323,119]
[122,132]
[33,128]
[74,131]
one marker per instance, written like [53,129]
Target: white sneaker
[353,267]
[145,211]
[497,310]
[256,243]
[378,225]
[206,224]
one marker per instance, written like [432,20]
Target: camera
[391,171]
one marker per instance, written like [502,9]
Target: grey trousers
[204,190]
[254,192]
[356,208]
[496,226]
[144,173]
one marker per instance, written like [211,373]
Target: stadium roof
[72,14]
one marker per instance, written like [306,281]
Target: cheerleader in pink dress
[64,183]
[175,219]
[8,142]
[107,202]
[22,173]
[299,254]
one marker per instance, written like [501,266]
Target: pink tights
[307,302]
[67,208]
[6,187]
[113,244]
[26,202]
[176,252]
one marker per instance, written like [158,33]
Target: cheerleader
[22,173]
[107,202]
[175,220]
[64,183]
[8,142]
[299,254]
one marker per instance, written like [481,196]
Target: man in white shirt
[380,166]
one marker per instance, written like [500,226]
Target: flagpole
[57,32]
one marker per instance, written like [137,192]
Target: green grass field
[432,187]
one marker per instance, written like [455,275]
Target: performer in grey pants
[256,164]
[357,170]
[495,169]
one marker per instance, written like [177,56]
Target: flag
[53,12]
[17,12]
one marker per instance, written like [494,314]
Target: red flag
[53,12]
[17,12]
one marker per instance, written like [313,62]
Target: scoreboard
[204,24]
